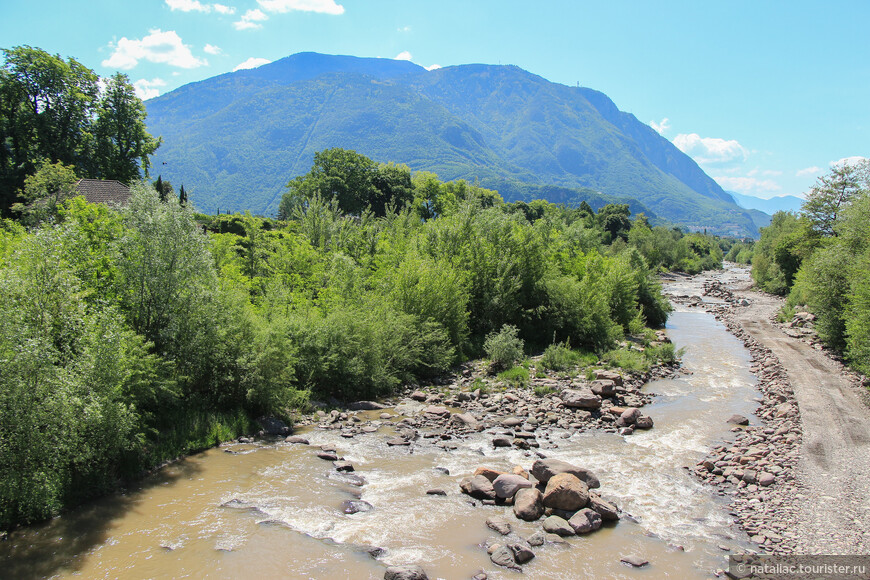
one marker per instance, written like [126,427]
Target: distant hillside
[768,206]
[236,139]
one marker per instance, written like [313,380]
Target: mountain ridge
[236,139]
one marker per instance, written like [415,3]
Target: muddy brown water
[275,510]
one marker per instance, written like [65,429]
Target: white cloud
[146,89]
[252,63]
[160,47]
[212,49]
[404,29]
[748,184]
[188,5]
[404,55]
[321,6]
[854,160]
[250,19]
[433,67]
[660,128]
[809,171]
[197,6]
[710,150]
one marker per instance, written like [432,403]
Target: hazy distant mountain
[768,206]
[236,139]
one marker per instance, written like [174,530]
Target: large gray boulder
[603,387]
[507,484]
[566,492]
[478,487]
[607,511]
[581,399]
[559,526]
[529,504]
[466,420]
[544,469]
[585,521]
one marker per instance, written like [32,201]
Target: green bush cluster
[820,259]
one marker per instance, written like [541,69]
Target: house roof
[109,192]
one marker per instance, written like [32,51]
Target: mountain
[236,139]
[768,206]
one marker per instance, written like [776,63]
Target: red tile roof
[109,192]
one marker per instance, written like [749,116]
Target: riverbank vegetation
[820,259]
[129,336]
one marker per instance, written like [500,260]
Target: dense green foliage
[238,137]
[820,258]
[53,111]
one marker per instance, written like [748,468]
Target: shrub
[516,376]
[504,347]
[560,357]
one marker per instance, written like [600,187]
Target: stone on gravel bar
[738,420]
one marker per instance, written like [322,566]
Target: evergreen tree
[182,196]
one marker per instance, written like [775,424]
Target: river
[275,510]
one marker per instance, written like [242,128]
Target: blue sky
[765,95]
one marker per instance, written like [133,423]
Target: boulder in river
[529,504]
[503,556]
[352,506]
[405,573]
[628,417]
[499,525]
[488,472]
[501,441]
[643,422]
[738,420]
[273,426]
[544,469]
[507,484]
[559,526]
[607,511]
[522,552]
[585,521]
[634,561]
[565,491]
[296,439]
[478,487]
[345,466]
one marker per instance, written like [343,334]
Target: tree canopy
[52,109]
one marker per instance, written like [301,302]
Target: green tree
[45,190]
[833,192]
[123,144]
[51,109]
[614,220]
